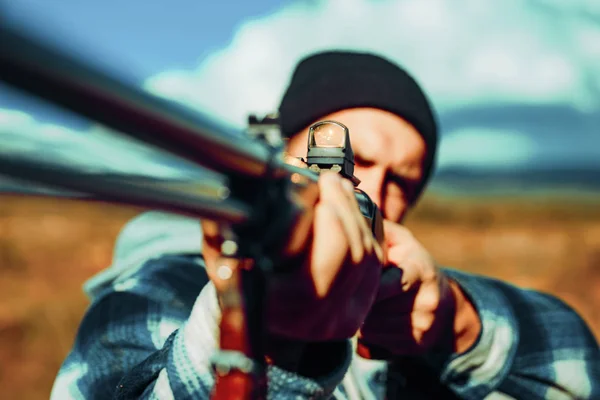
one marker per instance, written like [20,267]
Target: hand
[417,306]
[329,293]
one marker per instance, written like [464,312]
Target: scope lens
[328,135]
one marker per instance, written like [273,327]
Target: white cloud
[462,51]
[94,150]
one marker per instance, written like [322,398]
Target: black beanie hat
[331,81]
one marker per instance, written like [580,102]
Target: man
[153,322]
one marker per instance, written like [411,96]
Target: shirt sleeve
[151,335]
[531,346]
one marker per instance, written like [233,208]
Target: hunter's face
[389,155]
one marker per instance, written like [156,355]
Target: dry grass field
[49,248]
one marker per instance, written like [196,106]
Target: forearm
[186,371]
[180,365]
[112,339]
[526,339]
[149,335]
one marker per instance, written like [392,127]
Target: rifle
[257,189]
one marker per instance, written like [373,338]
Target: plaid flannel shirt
[153,325]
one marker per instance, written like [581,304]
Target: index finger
[295,161]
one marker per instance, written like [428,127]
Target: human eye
[406,186]
[360,160]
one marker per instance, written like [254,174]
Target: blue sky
[516,83]
[134,39]
[142,38]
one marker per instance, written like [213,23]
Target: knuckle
[361,254]
[424,322]
[431,300]
[428,275]
[428,268]
[322,288]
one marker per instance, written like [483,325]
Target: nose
[372,180]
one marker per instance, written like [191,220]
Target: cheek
[297,146]
[372,179]
[394,210]
[394,204]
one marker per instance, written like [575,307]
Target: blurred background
[516,84]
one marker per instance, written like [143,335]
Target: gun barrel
[54,75]
[209,199]
[48,72]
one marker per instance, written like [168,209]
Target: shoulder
[145,244]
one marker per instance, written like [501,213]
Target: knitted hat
[331,81]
